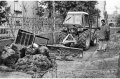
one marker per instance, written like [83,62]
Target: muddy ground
[92,65]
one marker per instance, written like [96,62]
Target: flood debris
[35,61]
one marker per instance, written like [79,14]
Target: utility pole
[14,18]
[105,12]
[15,15]
[22,14]
[53,3]
[23,11]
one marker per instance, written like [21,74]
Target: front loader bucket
[64,51]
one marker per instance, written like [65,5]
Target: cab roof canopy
[79,12]
[3,27]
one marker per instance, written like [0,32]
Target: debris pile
[8,56]
[30,60]
[34,63]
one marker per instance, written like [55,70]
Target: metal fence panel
[34,25]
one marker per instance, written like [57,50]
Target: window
[86,20]
[69,19]
[3,31]
[0,31]
[73,19]
[78,19]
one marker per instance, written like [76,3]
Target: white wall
[30,7]
[15,6]
[27,8]
[100,6]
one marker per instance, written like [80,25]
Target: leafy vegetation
[4,10]
[62,7]
[118,21]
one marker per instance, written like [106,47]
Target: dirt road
[73,69]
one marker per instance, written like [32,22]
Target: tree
[62,7]
[2,12]
[40,11]
[118,21]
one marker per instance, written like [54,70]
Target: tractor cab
[77,21]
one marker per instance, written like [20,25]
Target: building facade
[112,19]
[24,8]
[21,15]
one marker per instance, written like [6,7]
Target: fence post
[54,22]
[118,70]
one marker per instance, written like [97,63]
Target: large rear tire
[84,40]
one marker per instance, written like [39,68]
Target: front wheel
[87,44]
[94,42]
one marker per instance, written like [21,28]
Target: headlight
[72,30]
[80,29]
[92,30]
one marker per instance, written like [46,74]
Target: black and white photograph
[59,38]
